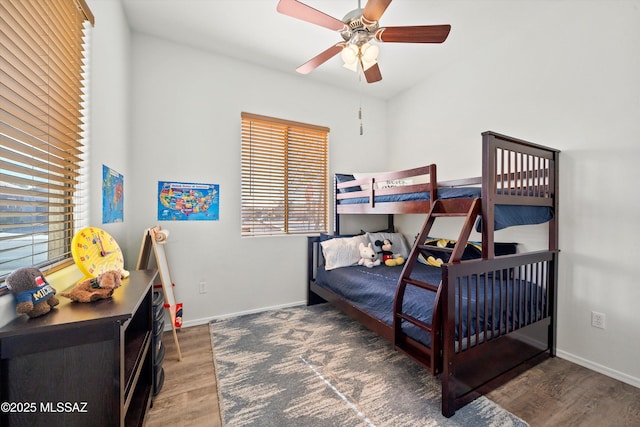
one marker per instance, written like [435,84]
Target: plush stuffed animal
[388,257]
[32,292]
[98,288]
[368,256]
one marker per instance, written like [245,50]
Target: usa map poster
[112,196]
[187,201]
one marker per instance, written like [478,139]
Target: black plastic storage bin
[158,370]
[156,344]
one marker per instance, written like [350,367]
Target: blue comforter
[373,291]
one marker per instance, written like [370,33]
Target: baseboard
[206,320]
[620,376]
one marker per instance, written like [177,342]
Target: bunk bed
[475,323]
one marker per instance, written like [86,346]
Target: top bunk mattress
[505,215]
[443,193]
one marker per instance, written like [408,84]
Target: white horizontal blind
[41,129]
[284,176]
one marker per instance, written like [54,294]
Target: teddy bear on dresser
[95,289]
[33,294]
[388,257]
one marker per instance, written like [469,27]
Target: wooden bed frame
[514,172]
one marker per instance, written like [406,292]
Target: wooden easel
[150,240]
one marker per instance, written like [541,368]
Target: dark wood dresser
[83,364]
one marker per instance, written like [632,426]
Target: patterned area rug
[314,366]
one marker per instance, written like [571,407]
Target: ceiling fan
[358,29]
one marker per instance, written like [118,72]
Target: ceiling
[253,31]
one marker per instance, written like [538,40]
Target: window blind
[284,176]
[42,46]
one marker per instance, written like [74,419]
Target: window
[284,177]
[41,130]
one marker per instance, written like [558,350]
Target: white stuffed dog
[368,256]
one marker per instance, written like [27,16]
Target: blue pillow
[340,178]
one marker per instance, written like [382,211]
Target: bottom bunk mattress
[485,304]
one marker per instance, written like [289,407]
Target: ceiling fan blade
[320,59]
[301,11]
[417,34]
[372,74]
[374,9]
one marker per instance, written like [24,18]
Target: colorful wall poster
[187,201]
[112,196]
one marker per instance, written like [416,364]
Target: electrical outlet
[203,287]
[597,319]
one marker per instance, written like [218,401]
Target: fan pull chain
[360,92]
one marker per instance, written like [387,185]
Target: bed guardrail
[513,304]
[517,172]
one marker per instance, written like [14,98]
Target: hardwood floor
[554,393]
[560,393]
[189,397]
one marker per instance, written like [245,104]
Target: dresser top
[67,314]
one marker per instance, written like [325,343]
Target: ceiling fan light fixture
[369,55]
[366,54]
[350,54]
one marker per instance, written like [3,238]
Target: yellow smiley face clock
[95,251]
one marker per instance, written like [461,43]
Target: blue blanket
[505,215]
[509,302]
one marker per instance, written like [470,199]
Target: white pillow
[342,251]
[399,244]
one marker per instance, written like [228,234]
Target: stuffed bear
[32,292]
[388,257]
[100,287]
[368,256]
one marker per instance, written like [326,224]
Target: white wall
[185,116]
[109,118]
[571,82]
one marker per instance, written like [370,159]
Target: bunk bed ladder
[469,208]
